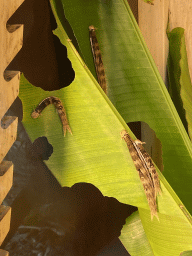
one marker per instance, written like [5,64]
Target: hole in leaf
[41,149]
[42,59]
[153,145]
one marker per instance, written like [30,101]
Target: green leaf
[133,235]
[179,78]
[168,236]
[174,71]
[135,86]
[186,253]
[95,153]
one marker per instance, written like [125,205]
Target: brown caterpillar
[144,173]
[97,59]
[60,109]
[149,164]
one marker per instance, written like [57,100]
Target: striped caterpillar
[148,164]
[97,59]
[147,173]
[60,109]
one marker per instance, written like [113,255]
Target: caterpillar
[60,109]
[143,171]
[149,165]
[100,71]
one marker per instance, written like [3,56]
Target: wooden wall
[11,38]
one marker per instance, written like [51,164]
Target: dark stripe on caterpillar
[97,59]
[60,109]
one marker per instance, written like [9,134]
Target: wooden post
[152,21]
[11,38]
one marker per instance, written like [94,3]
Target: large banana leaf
[135,85]
[96,154]
[179,77]
[174,70]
